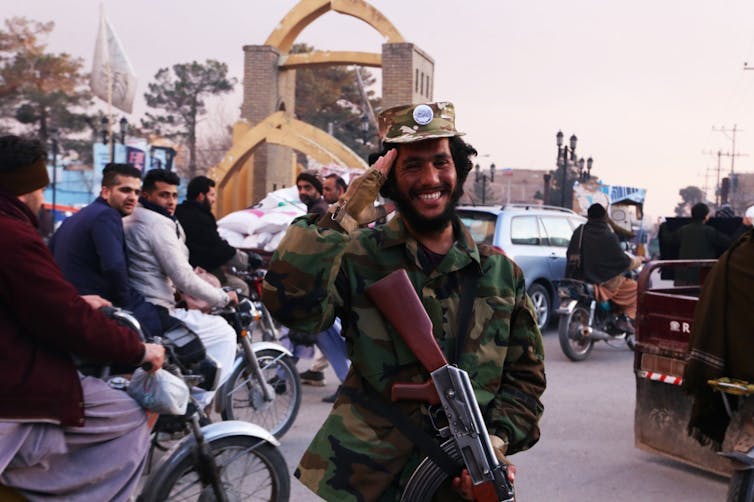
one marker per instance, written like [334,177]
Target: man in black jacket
[603,263]
[206,248]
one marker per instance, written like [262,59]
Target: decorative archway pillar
[267,90]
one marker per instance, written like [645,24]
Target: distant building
[519,186]
[741,194]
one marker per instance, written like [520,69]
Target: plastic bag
[161,392]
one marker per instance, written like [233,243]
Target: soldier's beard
[420,223]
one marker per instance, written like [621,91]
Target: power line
[731,135]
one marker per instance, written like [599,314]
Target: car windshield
[480,225]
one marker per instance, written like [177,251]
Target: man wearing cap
[62,435]
[323,265]
[603,263]
[310,193]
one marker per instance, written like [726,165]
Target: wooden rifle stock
[395,298]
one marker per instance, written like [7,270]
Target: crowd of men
[135,247]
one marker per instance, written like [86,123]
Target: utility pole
[717,154]
[731,135]
[706,182]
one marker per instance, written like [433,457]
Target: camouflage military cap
[410,123]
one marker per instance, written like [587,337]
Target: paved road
[586,452]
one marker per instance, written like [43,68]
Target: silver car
[535,237]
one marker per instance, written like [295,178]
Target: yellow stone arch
[322,58]
[306,11]
[279,129]
[235,174]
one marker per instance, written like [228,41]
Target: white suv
[535,237]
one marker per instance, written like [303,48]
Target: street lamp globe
[559,138]
[573,139]
[123,129]
[104,131]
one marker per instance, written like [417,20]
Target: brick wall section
[260,82]
[264,90]
[280,167]
[401,65]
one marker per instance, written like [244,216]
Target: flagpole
[109,72]
[109,57]
[110,110]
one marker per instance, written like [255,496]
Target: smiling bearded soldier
[322,267]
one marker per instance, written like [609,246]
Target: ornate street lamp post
[565,155]
[123,130]
[566,161]
[106,134]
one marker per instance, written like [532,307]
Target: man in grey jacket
[159,267]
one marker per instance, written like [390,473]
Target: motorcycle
[266,327]
[583,320]
[264,385]
[225,461]
[230,460]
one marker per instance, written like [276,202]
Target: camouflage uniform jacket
[318,273]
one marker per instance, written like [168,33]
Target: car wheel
[541,300]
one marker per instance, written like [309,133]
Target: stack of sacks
[263,226]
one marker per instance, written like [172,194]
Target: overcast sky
[641,83]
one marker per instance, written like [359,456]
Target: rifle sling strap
[427,445]
[465,306]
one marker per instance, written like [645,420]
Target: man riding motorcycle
[62,435]
[603,262]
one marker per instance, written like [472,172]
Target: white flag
[113,78]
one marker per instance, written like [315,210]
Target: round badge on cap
[423,115]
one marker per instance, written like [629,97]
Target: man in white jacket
[159,266]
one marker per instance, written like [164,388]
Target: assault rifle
[396,299]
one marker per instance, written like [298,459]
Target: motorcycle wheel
[249,467]
[428,480]
[741,486]
[574,346]
[246,399]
